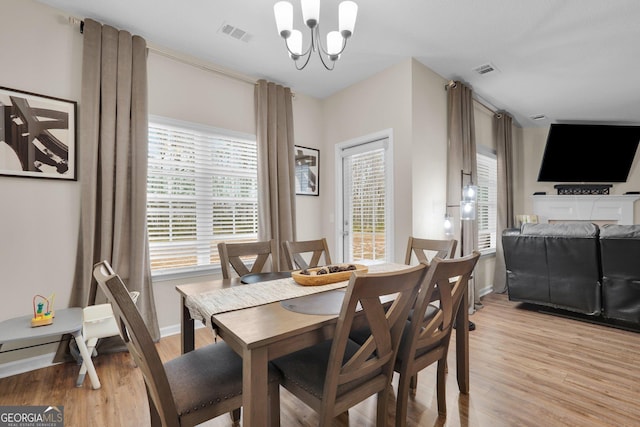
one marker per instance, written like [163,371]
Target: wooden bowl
[324,279]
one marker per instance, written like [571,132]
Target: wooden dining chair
[337,374]
[245,258]
[427,334]
[427,249]
[194,387]
[314,250]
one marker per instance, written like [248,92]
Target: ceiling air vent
[485,69]
[538,117]
[235,32]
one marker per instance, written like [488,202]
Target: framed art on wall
[37,135]
[307,161]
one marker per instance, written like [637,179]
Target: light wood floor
[527,369]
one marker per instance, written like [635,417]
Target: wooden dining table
[265,332]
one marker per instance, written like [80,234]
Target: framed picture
[37,135]
[307,171]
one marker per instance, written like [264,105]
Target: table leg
[255,376]
[187,329]
[86,359]
[462,345]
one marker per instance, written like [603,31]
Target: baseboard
[485,291]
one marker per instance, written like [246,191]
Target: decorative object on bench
[42,317]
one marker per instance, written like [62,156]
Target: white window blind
[487,200]
[368,210]
[201,189]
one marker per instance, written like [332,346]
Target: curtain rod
[185,59]
[452,84]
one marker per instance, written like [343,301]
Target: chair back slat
[422,248]
[313,249]
[245,258]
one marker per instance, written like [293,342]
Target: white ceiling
[569,60]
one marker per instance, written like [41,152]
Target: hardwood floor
[527,369]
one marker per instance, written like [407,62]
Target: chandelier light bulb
[347,12]
[334,45]
[283,11]
[310,12]
[295,44]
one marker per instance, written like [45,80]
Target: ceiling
[569,60]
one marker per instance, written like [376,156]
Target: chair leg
[383,400]
[441,385]
[413,385]
[235,417]
[153,413]
[402,400]
[274,404]
[91,346]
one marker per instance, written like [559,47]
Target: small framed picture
[307,162]
[37,135]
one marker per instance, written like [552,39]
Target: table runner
[207,304]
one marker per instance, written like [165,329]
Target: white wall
[429,152]
[370,106]
[38,217]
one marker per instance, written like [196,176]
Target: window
[487,199]
[202,188]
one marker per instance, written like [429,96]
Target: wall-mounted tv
[589,153]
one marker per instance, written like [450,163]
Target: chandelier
[336,40]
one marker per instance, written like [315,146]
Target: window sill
[485,253]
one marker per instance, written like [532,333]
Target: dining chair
[237,256]
[427,334]
[337,374]
[314,250]
[427,249]
[192,388]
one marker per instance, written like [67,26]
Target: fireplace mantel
[614,209]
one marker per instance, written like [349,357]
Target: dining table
[262,321]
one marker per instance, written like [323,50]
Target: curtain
[276,165]
[113,167]
[504,150]
[461,169]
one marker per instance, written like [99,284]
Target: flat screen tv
[589,153]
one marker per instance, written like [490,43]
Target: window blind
[201,189]
[368,216]
[487,200]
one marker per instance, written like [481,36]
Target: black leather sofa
[577,267]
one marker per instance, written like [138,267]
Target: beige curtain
[461,169]
[276,192]
[504,154]
[113,166]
